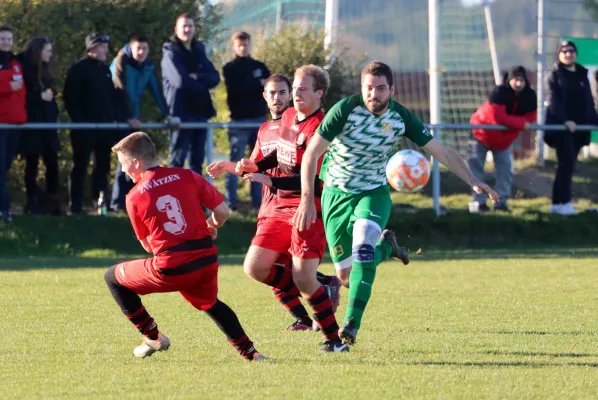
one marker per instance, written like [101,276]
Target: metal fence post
[436,176]
[210,148]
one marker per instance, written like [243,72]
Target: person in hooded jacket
[568,101]
[187,77]
[41,107]
[512,104]
[133,71]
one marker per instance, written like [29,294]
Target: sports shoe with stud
[348,333]
[149,347]
[398,253]
[334,292]
[258,357]
[333,346]
[298,326]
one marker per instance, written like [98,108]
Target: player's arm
[219,167]
[247,165]
[219,216]
[453,161]
[146,246]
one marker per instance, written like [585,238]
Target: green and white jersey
[362,143]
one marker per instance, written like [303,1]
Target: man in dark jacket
[512,104]
[90,96]
[133,71]
[12,111]
[187,77]
[568,101]
[244,78]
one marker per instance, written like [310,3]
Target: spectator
[568,101]
[244,78]
[41,107]
[512,104]
[90,96]
[12,111]
[133,71]
[187,77]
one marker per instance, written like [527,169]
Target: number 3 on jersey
[171,206]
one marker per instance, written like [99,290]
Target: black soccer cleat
[333,346]
[398,253]
[348,333]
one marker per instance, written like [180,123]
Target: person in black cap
[568,101]
[90,96]
[512,104]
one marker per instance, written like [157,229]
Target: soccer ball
[408,171]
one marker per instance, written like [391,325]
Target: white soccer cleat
[149,347]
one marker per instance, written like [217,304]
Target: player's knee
[254,271]
[364,252]
[343,275]
[110,276]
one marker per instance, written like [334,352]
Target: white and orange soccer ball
[408,171]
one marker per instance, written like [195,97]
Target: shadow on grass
[501,364]
[537,354]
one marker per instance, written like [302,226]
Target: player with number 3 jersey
[165,209]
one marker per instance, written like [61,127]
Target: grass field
[450,325]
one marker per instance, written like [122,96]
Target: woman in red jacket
[12,111]
[512,104]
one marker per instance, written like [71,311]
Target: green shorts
[340,210]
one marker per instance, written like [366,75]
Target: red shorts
[283,237]
[199,288]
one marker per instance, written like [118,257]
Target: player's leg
[307,248]
[272,240]
[126,281]
[337,213]
[291,302]
[202,293]
[370,248]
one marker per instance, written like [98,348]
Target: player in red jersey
[277,234]
[277,94]
[165,208]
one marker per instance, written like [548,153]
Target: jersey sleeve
[209,196]
[139,227]
[256,154]
[336,118]
[414,129]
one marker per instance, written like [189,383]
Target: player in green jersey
[361,133]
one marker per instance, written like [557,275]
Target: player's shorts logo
[338,251]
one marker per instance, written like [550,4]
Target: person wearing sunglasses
[568,101]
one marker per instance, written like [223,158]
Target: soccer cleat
[348,333]
[257,357]
[333,346]
[334,292]
[149,347]
[298,326]
[398,253]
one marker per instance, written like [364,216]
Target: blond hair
[319,75]
[137,145]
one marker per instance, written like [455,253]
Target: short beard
[379,108]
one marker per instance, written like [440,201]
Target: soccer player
[165,208]
[276,234]
[360,134]
[277,92]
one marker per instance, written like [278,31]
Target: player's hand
[245,165]
[213,233]
[16,85]
[47,95]
[259,178]
[481,187]
[305,215]
[217,168]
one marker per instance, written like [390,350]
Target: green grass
[450,325]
